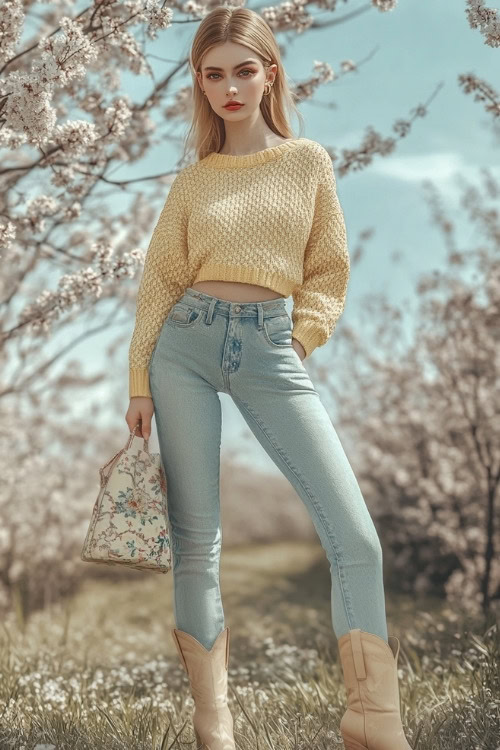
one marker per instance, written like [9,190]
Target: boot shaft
[207,671]
[372,720]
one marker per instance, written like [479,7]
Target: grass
[100,670]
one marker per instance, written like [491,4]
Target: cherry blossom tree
[425,422]
[424,416]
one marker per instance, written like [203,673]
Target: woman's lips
[233,106]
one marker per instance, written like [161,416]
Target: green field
[100,670]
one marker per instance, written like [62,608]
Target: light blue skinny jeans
[209,345]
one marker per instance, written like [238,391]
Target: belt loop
[357,654]
[260,315]
[210,312]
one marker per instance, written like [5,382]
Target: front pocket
[183,316]
[278,330]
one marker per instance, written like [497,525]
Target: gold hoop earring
[266,93]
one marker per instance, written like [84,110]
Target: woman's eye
[246,70]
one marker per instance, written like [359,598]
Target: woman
[254,220]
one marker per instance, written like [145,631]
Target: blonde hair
[241,26]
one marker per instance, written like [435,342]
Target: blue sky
[415,47]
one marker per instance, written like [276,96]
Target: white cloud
[446,170]
[440,167]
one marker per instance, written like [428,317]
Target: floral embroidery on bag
[129,522]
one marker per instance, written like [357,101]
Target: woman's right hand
[139,412]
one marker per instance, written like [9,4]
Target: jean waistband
[267,308]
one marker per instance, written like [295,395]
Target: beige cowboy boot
[207,672]
[372,720]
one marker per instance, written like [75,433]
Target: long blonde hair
[241,26]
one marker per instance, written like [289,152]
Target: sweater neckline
[222,161]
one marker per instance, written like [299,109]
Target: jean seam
[150,363]
[331,536]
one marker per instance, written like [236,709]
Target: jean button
[237,308]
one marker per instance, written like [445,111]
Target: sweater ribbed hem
[259,276]
[139,382]
[224,161]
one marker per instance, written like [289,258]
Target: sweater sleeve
[164,279]
[319,301]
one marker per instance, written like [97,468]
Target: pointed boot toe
[207,672]
[372,720]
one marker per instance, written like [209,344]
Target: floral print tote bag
[129,524]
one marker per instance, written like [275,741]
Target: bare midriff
[236,291]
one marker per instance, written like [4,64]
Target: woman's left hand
[299,349]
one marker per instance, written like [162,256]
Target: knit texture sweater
[270,218]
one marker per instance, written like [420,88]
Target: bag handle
[127,446]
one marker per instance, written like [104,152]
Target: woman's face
[232,80]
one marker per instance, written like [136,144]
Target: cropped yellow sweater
[270,218]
